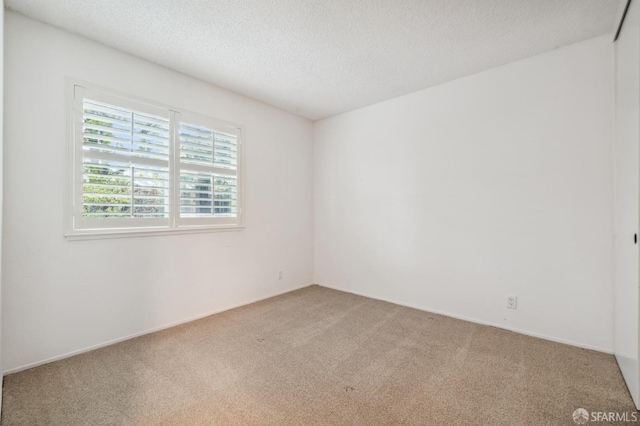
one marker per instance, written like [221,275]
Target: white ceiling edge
[319,59]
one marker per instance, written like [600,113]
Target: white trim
[149,331]
[475,321]
[70,102]
[93,234]
[258,299]
[174,174]
[240,178]
[194,167]
[128,158]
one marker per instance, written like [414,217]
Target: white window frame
[78,227]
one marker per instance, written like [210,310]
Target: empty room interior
[292,212]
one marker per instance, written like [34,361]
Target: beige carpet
[319,356]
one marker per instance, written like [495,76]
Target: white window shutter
[139,167]
[208,167]
[125,156]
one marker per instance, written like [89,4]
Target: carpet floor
[317,356]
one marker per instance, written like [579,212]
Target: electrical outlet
[512,302]
[280,275]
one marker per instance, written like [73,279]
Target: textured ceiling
[318,58]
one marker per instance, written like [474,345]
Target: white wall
[62,296]
[452,198]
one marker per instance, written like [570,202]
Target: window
[139,168]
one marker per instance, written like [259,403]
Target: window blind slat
[124,158]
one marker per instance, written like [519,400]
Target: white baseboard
[476,321]
[149,331]
[217,311]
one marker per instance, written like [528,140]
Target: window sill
[99,234]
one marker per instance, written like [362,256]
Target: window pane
[225,195]
[196,194]
[123,157]
[207,147]
[151,191]
[115,130]
[117,182]
[196,144]
[226,151]
[205,194]
[150,136]
[120,190]
[106,189]
[107,128]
